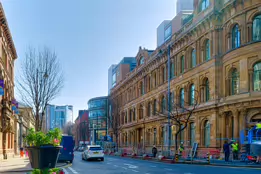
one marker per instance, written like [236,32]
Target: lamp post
[169,129]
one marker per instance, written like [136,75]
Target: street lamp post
[169,104]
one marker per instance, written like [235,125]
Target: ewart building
[216,53]
[7,117]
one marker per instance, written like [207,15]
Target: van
[66,152]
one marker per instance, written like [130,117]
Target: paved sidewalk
[16,164]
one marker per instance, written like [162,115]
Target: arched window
[192,133]
[234,82]
[207,50]
[235,37]
[257,76]
[141,61]
[257,28]
[204,5]
[207,95]
[192,95]
[134,114]
[149,109]
[207,134]
[193,58]
[163,104]
[172,70]
[181,97]
[154,107]
[182,64]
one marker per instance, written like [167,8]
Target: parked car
[66,152]
[93,152]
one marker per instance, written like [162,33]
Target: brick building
[7,117]
[217,53]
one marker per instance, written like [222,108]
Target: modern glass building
[58,116]
[97,108]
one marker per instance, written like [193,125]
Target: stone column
[236,124]
[242,118]
[222,125]
[228,41]
[251,88]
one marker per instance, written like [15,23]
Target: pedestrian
[21,152]
[181,148]
[235,150]
[154,151]
[226,150]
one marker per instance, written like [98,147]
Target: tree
[40,81]
[114,121]
[180,113]
[68,128]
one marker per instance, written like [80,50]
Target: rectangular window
[182,64]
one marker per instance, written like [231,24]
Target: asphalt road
[118,165]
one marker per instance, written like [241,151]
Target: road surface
[118,165]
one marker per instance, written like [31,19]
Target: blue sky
[88,36]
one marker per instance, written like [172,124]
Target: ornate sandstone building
[216,52]
[8,125]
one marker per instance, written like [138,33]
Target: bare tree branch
[40,81]
[180,114]
[114,120]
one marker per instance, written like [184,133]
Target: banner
[2,85]
[14,104]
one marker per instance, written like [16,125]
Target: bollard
[208,158]
[176,157]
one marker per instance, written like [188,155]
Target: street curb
[64,165]
[194,163]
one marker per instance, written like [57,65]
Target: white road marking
[135,171]
[116,166]
[65,171]
[167,169]
[124,168]
[73,170]
[153,166]
[108,163]
[130,166]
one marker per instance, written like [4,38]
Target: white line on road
[135,171]
[65,171]
[153,166]
[167,169]
[73,170]
[108,163]
[116,166]
[124,168]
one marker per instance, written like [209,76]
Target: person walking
[21,152]
[154,151]
[226,150]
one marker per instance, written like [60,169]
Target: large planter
[44,156]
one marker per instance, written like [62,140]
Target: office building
[98,118]
[185,5]
[58,116]
[112,67]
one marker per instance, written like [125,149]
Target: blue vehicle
[66,152]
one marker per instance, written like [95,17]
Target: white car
[93,152]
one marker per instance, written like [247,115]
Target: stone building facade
[218,54]
[7,117]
